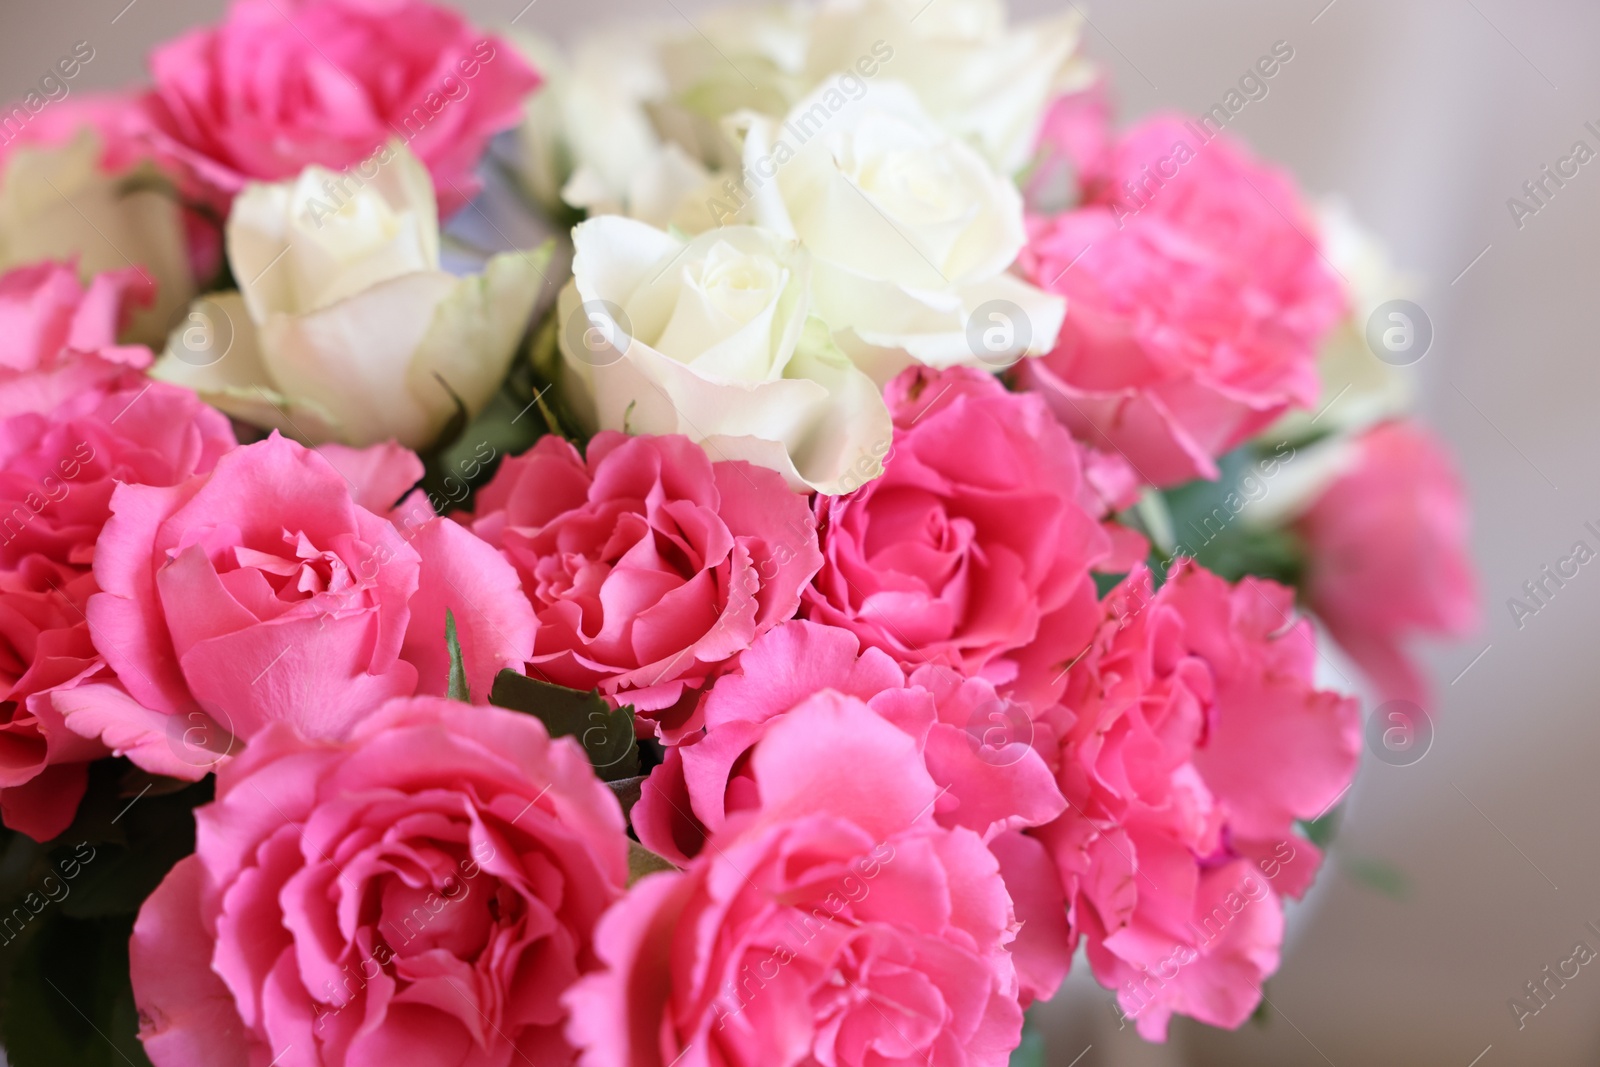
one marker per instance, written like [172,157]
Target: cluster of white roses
[787,206]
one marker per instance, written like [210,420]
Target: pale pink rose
[59,338]
[263,592]
[1196,299]
[1194,741]
[420,893]
[283,84]
[837,924]
[121,124]
[649,566]
[973,550]
[1387,556]
[57,475]
[977,747]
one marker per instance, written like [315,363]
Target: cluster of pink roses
[905,748]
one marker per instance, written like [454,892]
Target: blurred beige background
[1426,115]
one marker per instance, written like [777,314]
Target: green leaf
[1031,1052]
[1378,875]
[1321,831]
[458,690]
[627,791]
[605,733]
[68,996]
[641,861]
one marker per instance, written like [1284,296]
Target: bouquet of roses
[868,552]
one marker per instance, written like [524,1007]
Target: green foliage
[458,688]
[605,733]
[67,909]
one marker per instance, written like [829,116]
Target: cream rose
[58,202]
[980,79]
[911,232]
[712,338]
[345,328]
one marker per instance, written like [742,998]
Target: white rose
[910,231]
[587,134]
[58,203]
[345,328]
[710,338]
[1358,388]
[981,80]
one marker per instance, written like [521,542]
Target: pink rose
[977,747]
[1194,741]
[648,565]
[58,338]
[973,549]
[421,893]
[283,84]
[838,924]
[1386,555]
[263,592]
[57,475]
[1196,299]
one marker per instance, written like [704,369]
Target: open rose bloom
[749,630]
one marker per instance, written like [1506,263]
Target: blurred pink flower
[282,84]
[1387,557]
[422,892]
[1192,740]
[59,338]
[1196,297]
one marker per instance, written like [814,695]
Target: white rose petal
[346,328]
[980,80]
[57,203]
[911,230]
[710,338]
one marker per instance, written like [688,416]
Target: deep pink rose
[59,338]
[838,924]
[1196,299]
[1194,741]
[977,747]
[421,893]
[57,475]
[973,549]
[648,565]
[263,592]
[283,84]
[1386,555]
